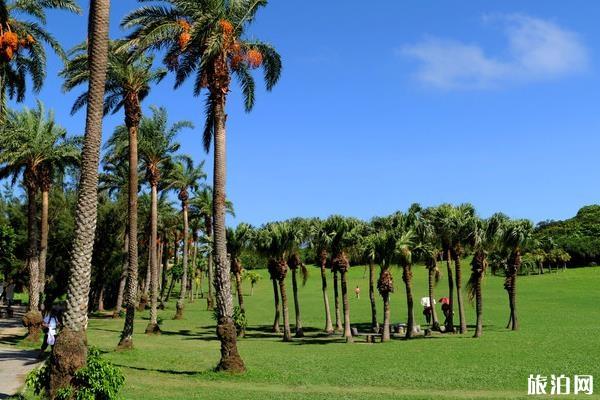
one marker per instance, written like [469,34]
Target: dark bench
[369,336]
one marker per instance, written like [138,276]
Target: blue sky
[384,104]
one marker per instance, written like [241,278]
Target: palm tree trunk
[347,330]
[148,280]
[374,322]
[328,324]
[449,323]
[287,333]
[410,322]
[159,253]
[101,298]
[70,351]
[299,330]
[226,332]
[435,324]
[478,307]
[132,239]
[513,300]
[276,328]
[338,315]
[386,317]
[240,294]
[153,327]
[43,243]
[165,267]
[184,277]
[461,307]
[210,302]
[33,318]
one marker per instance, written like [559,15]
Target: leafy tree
[33,145]
[22,53]
[254,278]
[205,38]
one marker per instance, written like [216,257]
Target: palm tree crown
[33,144]
[206,38]
[22,53]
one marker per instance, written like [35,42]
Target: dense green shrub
[98,380]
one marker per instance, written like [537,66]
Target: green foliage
[98,380]
[7,248]
[578,236]
[239,318]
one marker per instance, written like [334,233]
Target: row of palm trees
[432,236]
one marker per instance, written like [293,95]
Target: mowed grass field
[560,334]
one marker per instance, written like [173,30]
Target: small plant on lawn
[98,380]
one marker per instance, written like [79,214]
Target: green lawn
[560,325]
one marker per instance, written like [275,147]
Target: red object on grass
[444,300]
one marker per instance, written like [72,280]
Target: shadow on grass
[164,371]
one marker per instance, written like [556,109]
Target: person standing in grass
[357,292]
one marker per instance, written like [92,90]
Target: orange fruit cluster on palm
[10,44]
[185,36]
[254,58]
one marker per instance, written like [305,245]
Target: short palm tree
[319,242]
[70,349]
[484,239]
[344,233]
[182,178]
[33,145]
[368,251]
[22,53]
[515,235]
[429,250]
[461,222]
[441,219]
[276,242]
[128,82]
[206,39]
[238,240]
[201,207]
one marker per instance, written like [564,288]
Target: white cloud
[537,50]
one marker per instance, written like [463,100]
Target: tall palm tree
[33,145]
[183,177]
[276,241]
[319,242]
[344,235]
[70,351]
[128,82]
[295,263]
[205,38]
[22,54]
[515,235]
[156,148]
[201,207]
[429,249]
[238,239]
